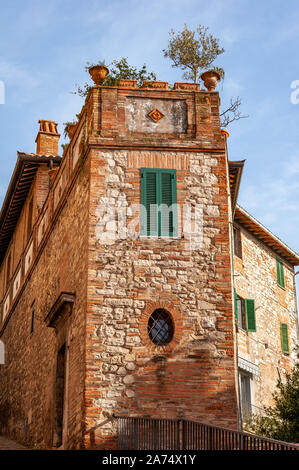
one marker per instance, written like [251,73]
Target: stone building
[266,310]
[108,308]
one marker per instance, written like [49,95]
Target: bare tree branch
[232,113]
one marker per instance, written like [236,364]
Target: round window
[160,327]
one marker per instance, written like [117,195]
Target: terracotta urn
[98,73]
[210,79]
[225,133]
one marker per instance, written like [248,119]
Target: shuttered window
[240,309]
[284,338]
[149,201]
[158,200]
[237,242]
[250,314]
[245,313]
[236,306]
[280,272]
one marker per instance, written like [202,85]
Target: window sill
[243,330]
[283,288]
[161,237]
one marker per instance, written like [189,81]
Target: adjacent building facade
[266,310]
[121,293]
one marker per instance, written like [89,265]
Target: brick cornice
[175,148]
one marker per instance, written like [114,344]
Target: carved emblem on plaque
[156,115]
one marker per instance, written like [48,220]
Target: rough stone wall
[192,377]
[256,279]
[28,376]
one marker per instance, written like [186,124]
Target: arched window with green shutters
[158,202]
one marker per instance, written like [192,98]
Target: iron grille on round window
[160,327]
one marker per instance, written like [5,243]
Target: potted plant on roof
[69,129]
[195,51]
[98,72]
[212,77]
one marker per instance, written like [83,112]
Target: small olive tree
[281,421]
[122,70]
[195,52]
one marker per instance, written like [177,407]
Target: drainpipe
[239,417]
[296,304]
[236,332]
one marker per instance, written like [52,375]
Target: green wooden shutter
[284,338]
[167,202]
[280,272]
[236,305]
[149,202]
[158,195]
[250,315]
[277,270]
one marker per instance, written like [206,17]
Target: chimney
[47,140]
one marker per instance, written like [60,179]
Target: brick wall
[38,194]
[27,394]
[194,376]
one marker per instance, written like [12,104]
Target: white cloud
[19,81]
[292,167]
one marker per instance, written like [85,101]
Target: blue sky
[44,47]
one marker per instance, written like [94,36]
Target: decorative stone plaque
[156,115]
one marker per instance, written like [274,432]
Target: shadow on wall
[193,388]
[2,353]
[4,417]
